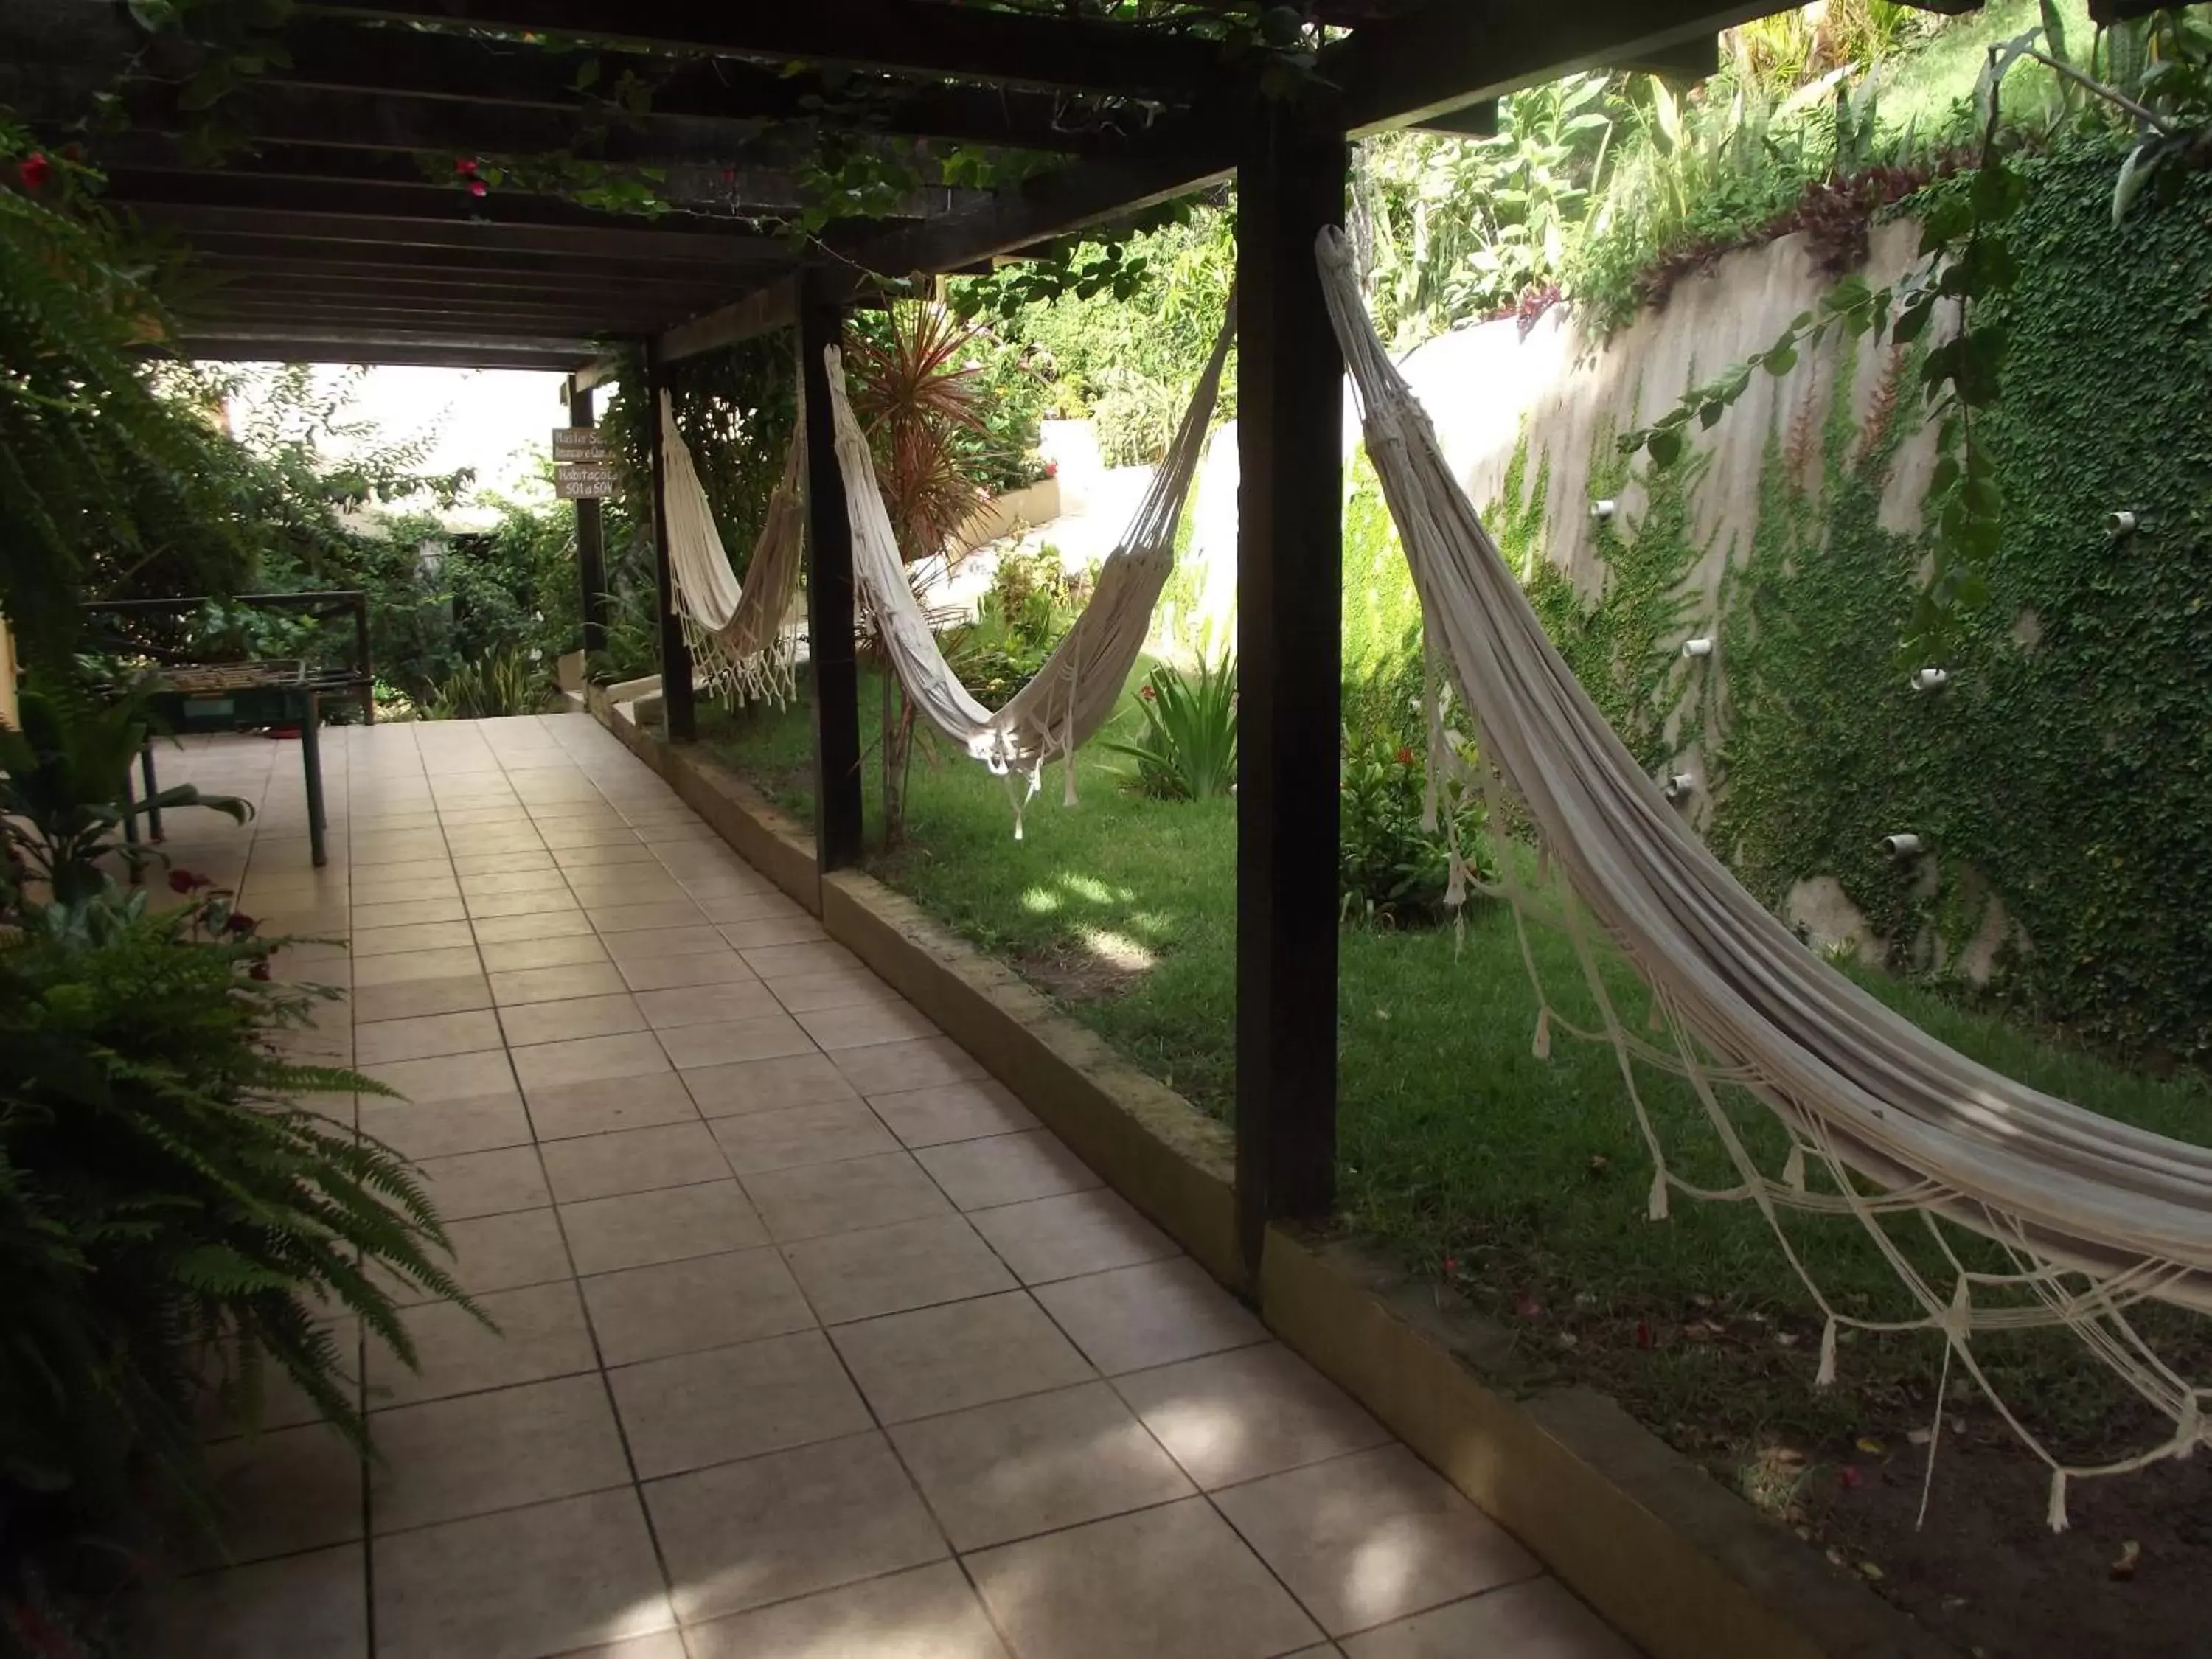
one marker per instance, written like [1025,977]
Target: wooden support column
[1290,182]
[831,662]
[679,717]
[591,541]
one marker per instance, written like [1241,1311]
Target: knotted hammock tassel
[1543,1045]
[2057,1514]
[1655,1207]
[1793,1175]
[1825,1376]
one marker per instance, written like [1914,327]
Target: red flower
[465,166]
[1852,1478]
[184,881]
[1052,469]
[240,922]
[1405,756]
[1643,1337]
[1145,692]
[259,970]
[477,187]
[35,170]
[1451,1267]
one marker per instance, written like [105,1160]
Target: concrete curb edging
[1679,1564]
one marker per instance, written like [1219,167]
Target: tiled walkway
[813,1344]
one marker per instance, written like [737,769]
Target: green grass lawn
[1456,1143]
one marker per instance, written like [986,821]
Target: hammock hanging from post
[740,634]
[2091,1216]
[1075,692]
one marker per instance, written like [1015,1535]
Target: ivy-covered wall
[2063,778]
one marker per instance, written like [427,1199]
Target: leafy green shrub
[1031,605]
[160,1190]
[1390,869]
[507,683]
[1188,751]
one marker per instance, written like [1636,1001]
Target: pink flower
[35,170]
[477,187]
[240,922]
[259,970]
[465,166]
[1145,692]
[1405,757]
[184,881]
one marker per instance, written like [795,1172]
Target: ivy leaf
[1781,359]
[1666,445]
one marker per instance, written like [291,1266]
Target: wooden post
[1290,182]
[679,718]
[831,661]
[591,541]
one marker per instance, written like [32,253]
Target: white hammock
[2093,1215]
[1075,692]
[742,640]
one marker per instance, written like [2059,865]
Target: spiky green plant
[1187,748]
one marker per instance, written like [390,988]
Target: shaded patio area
[813,1343]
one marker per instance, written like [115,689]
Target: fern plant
[163,1192]
[1187,750]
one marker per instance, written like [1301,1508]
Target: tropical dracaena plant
[63,775]
[1187,750]
[922,410]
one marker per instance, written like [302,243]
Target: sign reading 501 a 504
[584,465]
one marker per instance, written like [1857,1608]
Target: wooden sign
[581,443]
[589,483]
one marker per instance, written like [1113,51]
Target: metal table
[241,697]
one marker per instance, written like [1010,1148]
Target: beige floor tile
[561,1110]
[633,1054]
[375,886]
[396,847]
[744,1534]
[951,1111]
[409,965]
[1373,1537]
[1134,1318]
[314,1603]
[1539,1619]
[426,1036]
[848,1276]
[1250,1412]
[486,1183]
[655,944]
[637,1229]
[816,1198]
[562,984]
[729,1043]
[530,1022]
[368,942]
[859,1024]
[443,1128]
[805,993]
[447,1076]
[221,1412]
[606,886]
[978,1175]
[615,853]
[792,961]
[1174,1583]
[965,1353]
[569,949]
[707,1005]
[546,921]
[883,1068]
[926,1613]
[503,1252]
[445,1459]
[541,1335]
[761,1141]
[681,1307]
[1018,1467]
[755,905]
[522,1583]
[537,907]
[768,1085]
[1075,1233]
[694,1410]
[413,998]
[631,1161]
[716,967]
[762,933]
[494,864]
[398,913]
[280,1492]
[557,835]
[537,879]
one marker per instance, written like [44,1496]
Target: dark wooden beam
[335,278]
[832,666]
[600,370]
[303,231]
[920,38]
[591,541]
[1290,651]
[1451,53]
[679,717]
[294,347]
[776,306]
[432,318]
[254,249]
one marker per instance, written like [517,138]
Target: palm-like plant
[1187,750]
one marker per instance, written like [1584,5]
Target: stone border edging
[1673,1560]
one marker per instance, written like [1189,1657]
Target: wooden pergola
[334,237]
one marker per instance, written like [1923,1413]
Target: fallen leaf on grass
[1869,1570]
[1870,1446]
[1918,1436]
[2123,1568]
